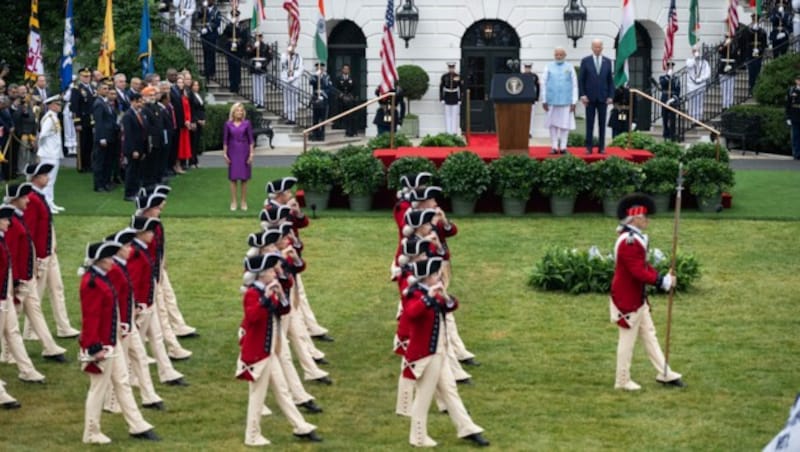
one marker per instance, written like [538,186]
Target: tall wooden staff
[678,191]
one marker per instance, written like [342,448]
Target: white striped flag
[672,28]
[733,18]
[388,70]
[321,35]
[627,43]
[292,8]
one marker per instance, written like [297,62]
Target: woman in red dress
[184,135]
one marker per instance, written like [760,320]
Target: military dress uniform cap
[6,211]
[416,218]
[123,237]
[527,65]
[143,224]
[258,264]
[428,267]
[14,191]
[422,194]
[280,185]
[101,250]
[150,201]
[51,99]
[85,71]
[415,180]
[635,204]
[670,63]
[34,169]
[451,64]
[107,81]
[274,212]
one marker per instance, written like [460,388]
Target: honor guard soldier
[781,20]
[6,300]
[425,310]
[528,69]
[236,36]
[622,112]
[628,303]
[753,41]
[81,102]
[100,356]
[386,114]
[793,115]
[209,19]
[259,336]
[450,94]
[670,93]
[320,86]
[260,55]
[106,137]
[291,74]
[157,121]
[726,69]
[39,219]
[347,99]
[21,246]
[50,147]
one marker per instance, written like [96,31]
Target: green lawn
[548,358]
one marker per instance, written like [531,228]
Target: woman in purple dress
[238,147]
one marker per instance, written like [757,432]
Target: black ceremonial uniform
[135,139]
[347,98]
[793,115]
[264,52]
[155,117]
[235,56]
[320,86]
[209,19]
[752,51]
[670,89]
[81,101]
[622,112]
[450,89]
[106,130]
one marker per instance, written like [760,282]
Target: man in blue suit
[596,90]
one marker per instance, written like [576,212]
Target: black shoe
[588,151]
[563,151]
[310,406]
[554,151]
[478,439]
[677,383]
[149,435]
[464,381]
[130,198]
[326,380]
[11,405]
[154,406]
[310,436]
[321,361]
[101,189]
[602,151]
[323,338]
[470,362]
[60,358]
[177,382]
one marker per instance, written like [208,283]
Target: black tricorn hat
[415,246]
[142,224]
[6,211]
[274,212]
[280,185]
[635,204]
[416,218]
[421,194]
[415,180]
[427,267]
[102,250]
[34,169]
[258,264]
[14,191]
[150,201]
[123,237]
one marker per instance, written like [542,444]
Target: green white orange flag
[626,45]
[694,21]
[321,36]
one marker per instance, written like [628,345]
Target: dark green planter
[709,205]
[662,202]
[360,203]
[462,206]
[610,206]
[320,199]
[562,206]
[514,207]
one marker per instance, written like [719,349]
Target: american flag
[733,18]
[292,7]
[672,28]
[388,69]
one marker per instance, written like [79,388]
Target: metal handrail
[353,110]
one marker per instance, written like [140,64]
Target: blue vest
[559,84]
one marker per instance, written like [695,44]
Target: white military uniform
[291,73]
[699,72]
[184,10]
[50,149]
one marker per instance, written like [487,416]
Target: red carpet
[485,145]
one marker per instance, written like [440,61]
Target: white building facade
[482,36]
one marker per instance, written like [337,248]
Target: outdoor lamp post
[575,20]
[407,17]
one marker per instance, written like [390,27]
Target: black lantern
[575,20]
[407,17]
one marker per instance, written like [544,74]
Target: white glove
[788,122]
[633,126]
[103,142]
[671,101]
[780,35]
[442,102]
[668,282]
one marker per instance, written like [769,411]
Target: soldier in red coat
[6,301]
[23,269]
[264,303]
[629,306]
[99,353]
[39,218]
[425,308]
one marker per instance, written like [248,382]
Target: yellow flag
[105,62]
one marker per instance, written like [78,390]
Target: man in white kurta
[50,148]
[699,72]
[559,96]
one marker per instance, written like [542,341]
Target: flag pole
[673,257]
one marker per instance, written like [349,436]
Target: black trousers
[195,140]
[102,159]
[234,72]
[209,57]
[668,121]
[349,120]
[753,69]
[133,177]
[169,157]
[319,114]
[86,144]
[599,108]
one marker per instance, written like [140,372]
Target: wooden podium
[513,96]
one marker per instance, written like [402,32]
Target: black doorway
[640,71]
[348,45]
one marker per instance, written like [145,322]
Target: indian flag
[627,43]
[321,37]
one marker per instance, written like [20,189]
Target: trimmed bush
[407,165]
[706,151]
[639,140]
[614,177]
[383,141]
[446,140]
[414,82]
[315,170]
[764,127]
[660,175]
[566,176]
[707,177]
[352,149]
[464,174]
[775,80]
[668,149]
[514,176]
[361,174]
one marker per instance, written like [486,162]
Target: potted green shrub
[362,175]
[352,149]
[315,171]
[464,178]
[446,140]
[414,82]
[383,141]
[613,178]
[707,179]
[660,179]
[407,165]
[668,149]
[513,178]
[639,140]
[706,151]
[562,178]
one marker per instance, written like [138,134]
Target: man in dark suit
[135,145]
[81,102]
[236,36]
[106,136]
[121,88]
[209,19]
[596,91]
